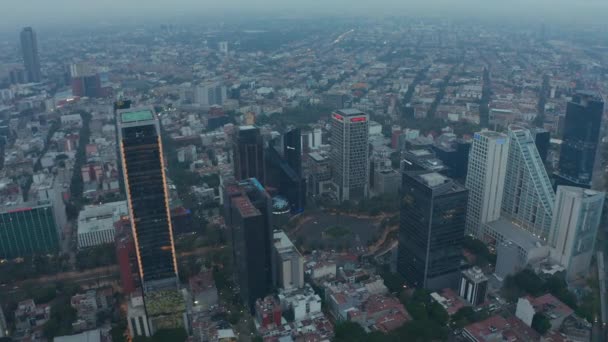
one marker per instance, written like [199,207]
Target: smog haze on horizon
[67,12]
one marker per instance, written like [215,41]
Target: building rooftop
[87,336]
[433,179]
[245,207]
[139,115]
[100,217]
[512,232]
[475,274]
[350,112]
[318,157]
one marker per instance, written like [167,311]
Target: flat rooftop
[512,232]
[350,112]
[316,156]
[245,207]
[433,179]
[139,115]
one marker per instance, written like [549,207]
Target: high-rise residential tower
[31,59]
[431,232]
[574,228]
[581,138]
[248,154]
[485,179]
[248,214]
[528,196]
[143,165]
[350,153]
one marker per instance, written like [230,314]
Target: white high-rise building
[574,228]
[485,180]
[350,153]
[528,196]
[208,94]
[289,261]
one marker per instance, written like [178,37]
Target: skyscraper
[147,197]
[350,153]
[248,214]
[528,196]
[292,149]
[574,228]
[581,138]
[248,154]
[485,179]
[431,232]
[31,59]
[284,172]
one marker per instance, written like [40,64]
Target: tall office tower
[542,139]
[574,228]
[528,196]
[485,179]
[31,59]
[350,153]
[431,232]
[581,138]
[284,172]
[147,196]
[248,214]
[248,154]
[292,149]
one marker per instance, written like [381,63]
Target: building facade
[528,195]
[581,138]
[142,160]
[248,214]
[485,179]
[289,261]
[473,286]
[31,59]
[431,233]
[350,153]
[28,229]
[248,154]
[574,228]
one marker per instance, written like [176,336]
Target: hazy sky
[17,13]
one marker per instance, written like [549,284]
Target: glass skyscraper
[248,214]
[431,232]
[581,138]
[31,59]
[528,196]
[145,182]
[147,196]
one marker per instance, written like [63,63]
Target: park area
[325,230]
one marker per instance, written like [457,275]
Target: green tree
[438,314]
[349,332]
[541,323]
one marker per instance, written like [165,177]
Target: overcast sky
[17,13]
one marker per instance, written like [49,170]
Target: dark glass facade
[292,149]
[248,155]
[248,214]
[542,140]
[31,60]
[27,231]
[581,138]
[431,233]
[141,151]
